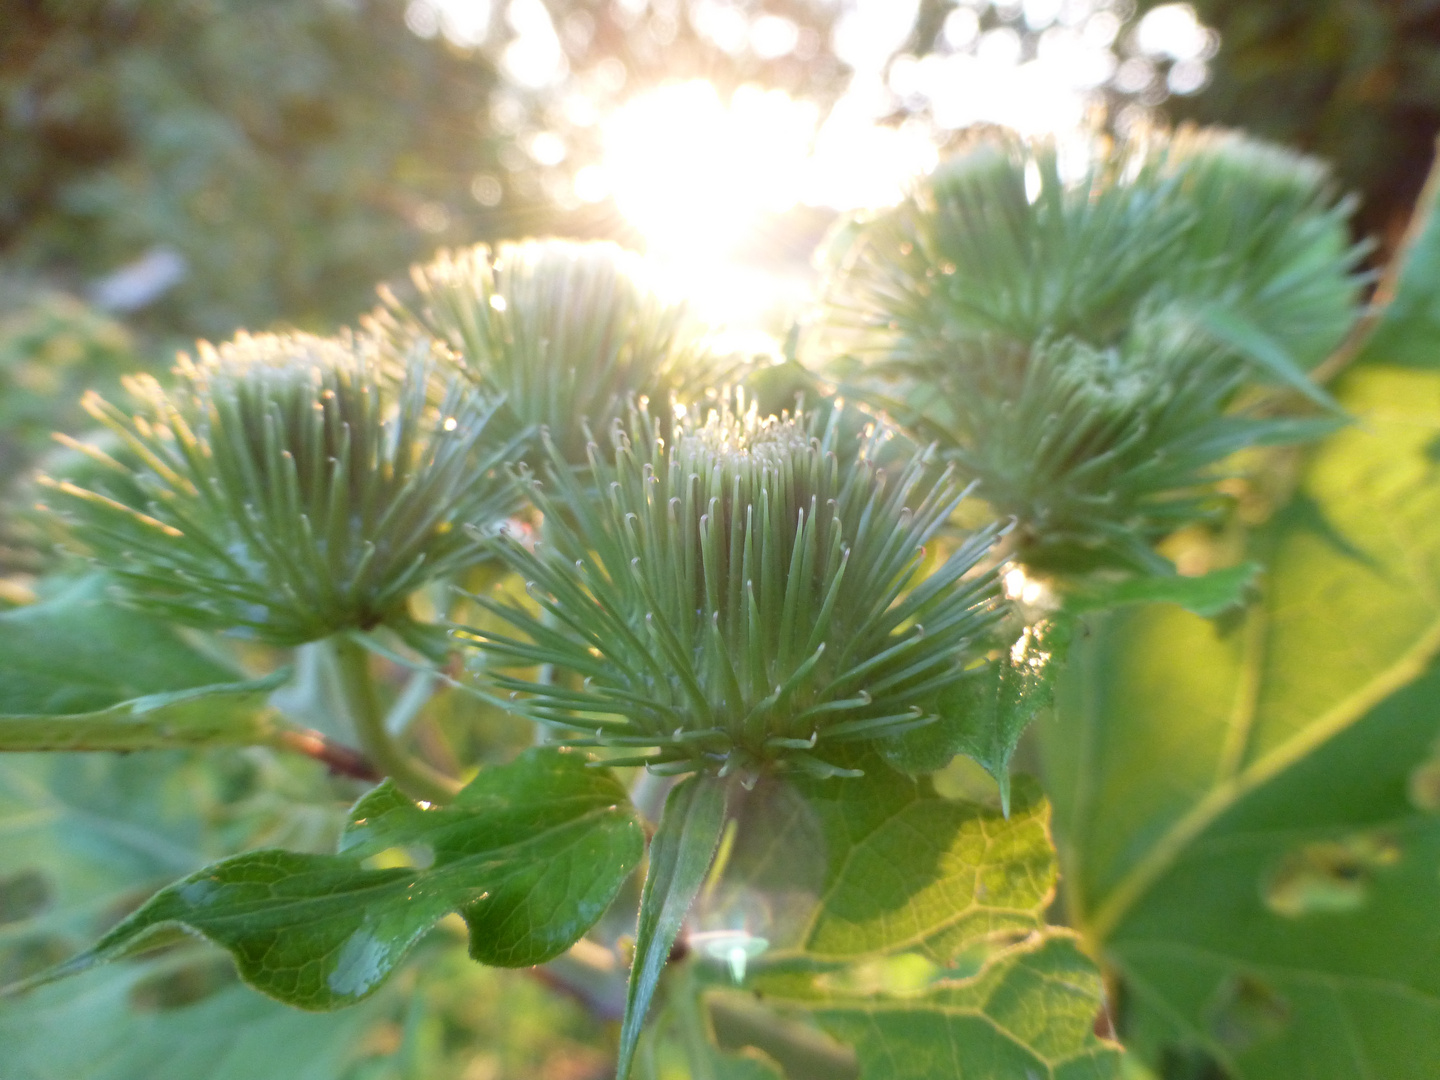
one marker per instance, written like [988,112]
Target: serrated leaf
[862,867]
[1031,1014]
[984,716]
[1246,813]
[1209,595]
[529,853]
[680,856]
[924,945]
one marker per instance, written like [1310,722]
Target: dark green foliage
[292,487]
[530,853]
[292,153]
[739,593]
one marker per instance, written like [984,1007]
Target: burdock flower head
[739,594]
[562,332]
[1092,348]
[288,487]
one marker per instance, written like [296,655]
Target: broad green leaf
[1245,812]
[1210,595]
[79,673]
[77,652]
[680,856]
[84,837]
[854,868]
[911,927]
[529,853]
[1030,1013]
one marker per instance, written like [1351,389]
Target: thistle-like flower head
[289,487]
[739,594]
[1083,346]
[562,332]
[1266,238]
[999,242]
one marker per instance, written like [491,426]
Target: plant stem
[357,688]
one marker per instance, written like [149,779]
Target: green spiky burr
[739,594]
[562,332]
[289,487]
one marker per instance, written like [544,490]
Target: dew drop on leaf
[363,962]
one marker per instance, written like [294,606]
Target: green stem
[357,688]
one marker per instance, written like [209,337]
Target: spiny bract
[289,487]
[1091,349]
[740,594]
[562,332]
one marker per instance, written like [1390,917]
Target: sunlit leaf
[911,927]
[984,716]
[1246,814]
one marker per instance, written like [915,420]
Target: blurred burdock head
[1268,239]
[740,594]
[289,487]
[562,332]
[999,243]
[1005,240]
[1098,453]
[1092,345]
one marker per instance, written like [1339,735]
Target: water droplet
[1328,877]
[362,962]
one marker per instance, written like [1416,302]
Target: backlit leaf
[1246,814]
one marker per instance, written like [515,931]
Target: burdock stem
[415,778]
